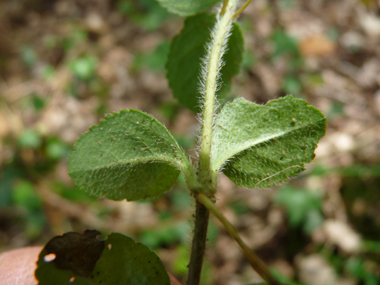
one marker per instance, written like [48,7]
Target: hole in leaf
[50,257]
[109,246]
[76,252]
[72,279]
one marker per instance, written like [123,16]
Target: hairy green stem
[255,261]
[213,63]
[207,176]
[199,244]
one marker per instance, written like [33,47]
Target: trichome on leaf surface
[132,156]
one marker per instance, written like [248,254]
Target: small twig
[255,261]
[237,13]
[225,3]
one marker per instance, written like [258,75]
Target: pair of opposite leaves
[130,155]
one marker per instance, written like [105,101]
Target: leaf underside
[261,145]
[187,7]
[129,155]
[185,58]
[82,259]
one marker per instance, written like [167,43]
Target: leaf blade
[259,146]
[129,155]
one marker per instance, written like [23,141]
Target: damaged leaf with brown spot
[83,259]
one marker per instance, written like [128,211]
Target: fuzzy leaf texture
[187,7]
[82,259]
[185,58]
[261,145]
[129,155]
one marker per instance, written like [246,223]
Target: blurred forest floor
[64,64]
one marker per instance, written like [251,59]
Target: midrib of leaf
[251,143]
[133,162]
[155,157]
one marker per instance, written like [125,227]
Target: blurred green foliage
[7,177]
[181,199]
[287,4]
[28,56]
[169,110]
[25,196]
[38,102]
[155,60]
[78,36]
[84,68]
[287,46]
[249,59]
[29,139]
[240,207]
[284,44]
[35,157]
[56,149]
[365,220]
[165,235]
[303,207]
[49,72]
[182,260]
[280,278]
[71,192]
[362,269]
[292,85]
[358,268]
[149,14]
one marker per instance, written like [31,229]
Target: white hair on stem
[206,59]
[210,82]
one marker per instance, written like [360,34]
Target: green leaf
[187,7]
[129,155]
[84,260]
[258,146]
[185,58]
